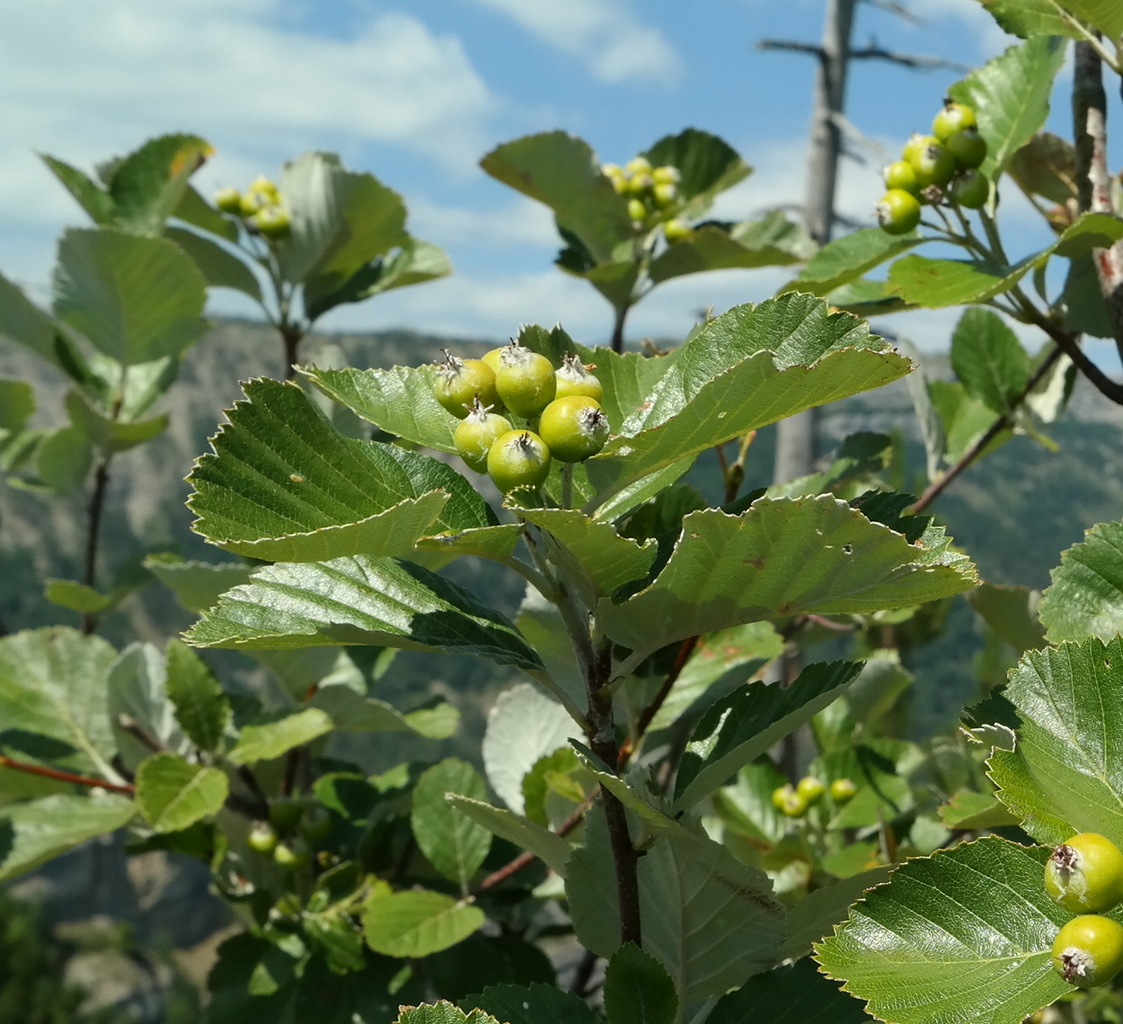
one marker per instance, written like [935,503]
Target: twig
[936,488]
[93,531]
[686,649]
[55,773]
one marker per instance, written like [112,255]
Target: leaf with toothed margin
[380,602]
[282,484]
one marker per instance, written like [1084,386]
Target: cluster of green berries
[1085,875]
[295,827]
[560,406]
[795,801]
[261,207]
[652,194]
[936,168]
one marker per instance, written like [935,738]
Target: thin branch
[686,649]
[936,488]
[525,859]
[94,511]
[917,61]
[792,45]
[54,773]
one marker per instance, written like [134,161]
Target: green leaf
[848,258]
[974,918]
[17,403]
[173,794]
[782,557]
[739,728]
[963,419]
[399,401]
[547,846]
[967,809]
[532,1004]
[1103,15]
[1011,94]
[91,197]
[38,830]
[193,209]
[1028,18]
[710,920]
[1046,166]
[416,923]
[523,726]
[373,601]
[135,299]
[453,843]
[608,559]
[793,994]
[1085,597]
[637,990]
[708,166]
[22,322]
[352,712]
[218,265]
[201,707]
[1066,774]
[816,914]
[773,241]
[443,1013]
[197,585]
[78,597]
[53,700]
[989,360]
[562,172]
[63,460]
[110,435]
[147,186]
[1012,613]
[753,365]
[314,494]
[267,740]
[138,706]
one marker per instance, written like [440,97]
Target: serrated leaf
[638,990]
[173,794]
[989,360]
[816,914]
[782,557]
[1066,773]
[138,706]
[53,699]
[1103,15]
[608,559]
[315,494]
[967,809]
[1010,95]
[523,725]
[739,728]
[135,299]
[755,365]
[709,919]
[793,994]
[22,322]
[399,401]
[532,1004]
[562,172]
[973,918]
[265,741]
[548,846]
[452,842]
[202,708]
[1046,166]
[148,184]
[1085,597]
[39,830]
[417,922]
[847,258]
[379,602]
[1028,18]
[442,1013]
[91,196]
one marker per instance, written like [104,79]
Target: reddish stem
[54,773]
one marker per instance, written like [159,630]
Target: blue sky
[416,91]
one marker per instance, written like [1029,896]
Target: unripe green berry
[969,189]
[676,230]
[1088,950]
[574,428]
[810,788]
[933,165]
[901,175]
[955,117]
[460,382]
[788,801]
[1085,873]
[637,210]
[228,199]
[574,378]
[262,838]
[520,458]
[476,433]
[272,221]
[968,147]
[898,212]
[525,382]
[843,790]
[665,194]
[666,175]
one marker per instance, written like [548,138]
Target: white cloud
[84,80]
[603,34]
